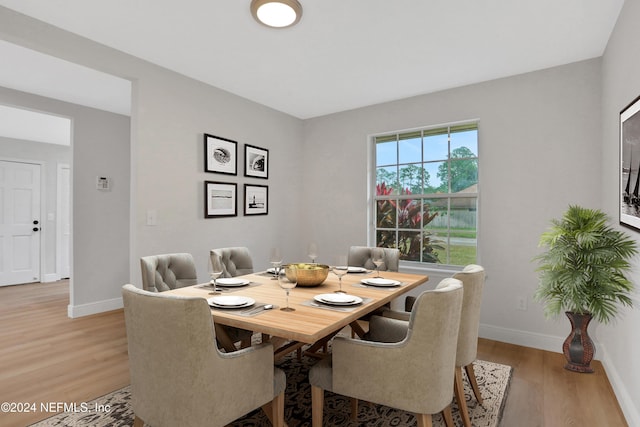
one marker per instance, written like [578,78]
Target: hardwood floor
[47,357]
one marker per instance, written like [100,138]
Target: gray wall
[173,112]
[539,139]
[621,85]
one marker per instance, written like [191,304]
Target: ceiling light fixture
[276,13]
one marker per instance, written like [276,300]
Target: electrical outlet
[522,303]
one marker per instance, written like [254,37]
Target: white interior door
[19,223]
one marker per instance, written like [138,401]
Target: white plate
[230,301]
[357,269]
[338,299]
[378,281]
[232,281]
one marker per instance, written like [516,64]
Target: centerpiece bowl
[308,274]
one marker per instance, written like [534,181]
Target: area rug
[493,380]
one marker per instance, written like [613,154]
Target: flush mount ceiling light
[276,13]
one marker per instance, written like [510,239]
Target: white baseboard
[74,311]
[523,338]
[51,277]
[628,404]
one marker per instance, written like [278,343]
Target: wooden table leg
[355,327]
[224,339]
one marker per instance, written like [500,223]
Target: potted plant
[583,272]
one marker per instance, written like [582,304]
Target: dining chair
[414,374]
[360,256]
[170,271]
[178,375]
[472,278]
[235,261]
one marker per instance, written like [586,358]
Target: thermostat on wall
[103,183]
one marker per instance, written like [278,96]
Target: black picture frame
[220,155]
[220,199]
[256,199]
[256,162]
[630,165]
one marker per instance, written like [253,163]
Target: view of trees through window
[426,194]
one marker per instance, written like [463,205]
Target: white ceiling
[343,54]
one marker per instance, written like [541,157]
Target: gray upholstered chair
[360,256]
[178,376]
[415,374]
[236,261]
[472,278]
[170,271]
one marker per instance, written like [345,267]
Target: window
[426,193]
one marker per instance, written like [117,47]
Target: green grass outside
[459,232]
[460,255]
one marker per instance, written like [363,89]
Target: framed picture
[220,155]
[220,199]
[256,199]
[256,161]
[630,165]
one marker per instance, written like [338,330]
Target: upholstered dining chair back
[360,256]
[168,271]
[472,278]
[178,376]
[414,374]
[236,261]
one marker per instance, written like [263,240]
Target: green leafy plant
[410,218]
[584,267]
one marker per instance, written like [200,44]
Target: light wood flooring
[47,357]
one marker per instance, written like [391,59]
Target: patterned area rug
[493,380]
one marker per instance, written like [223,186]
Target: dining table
[313,321]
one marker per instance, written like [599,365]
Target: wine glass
[275,258]
[377,256]
[215,271]
[287,282]
[340,269]
[312,251]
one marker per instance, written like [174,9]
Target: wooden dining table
[311,322]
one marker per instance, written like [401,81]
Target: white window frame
[373,198]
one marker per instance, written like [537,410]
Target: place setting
[238,305]
[340,301]
[228,284]
[378,282]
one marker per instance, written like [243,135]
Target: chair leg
[317,406]
[137,422]
[472,380]
[448,417]
[354,409]
[278,410]
[424,420]
[458,389]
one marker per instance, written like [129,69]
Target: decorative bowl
[308,274]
